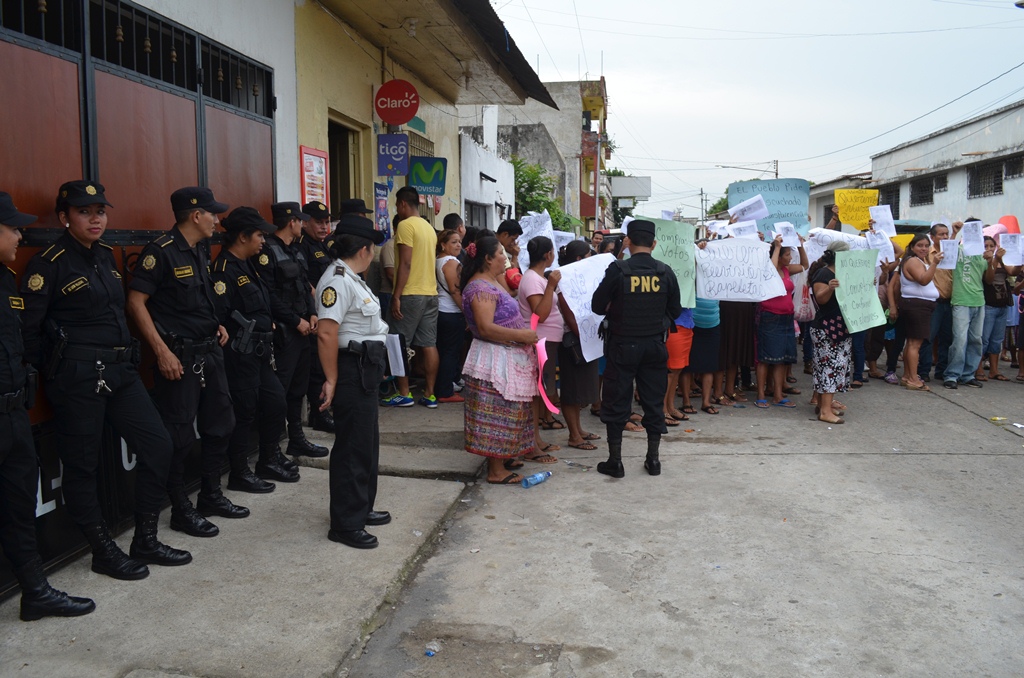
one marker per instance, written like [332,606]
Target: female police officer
[74,314]
[351,338]
[255,388]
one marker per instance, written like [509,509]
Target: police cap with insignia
[80,193]
[192,197]
[316,210]
[10,216]
[288,210]
[354,206]
[353,224]
[640,226]
[244,219]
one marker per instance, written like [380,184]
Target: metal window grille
[57,22]
[890,195]
[941,183]
[921,192]
[236,81]
[826,215]
[985,179]
[1013,167]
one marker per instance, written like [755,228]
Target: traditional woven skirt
[496,427]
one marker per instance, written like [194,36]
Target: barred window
[58,22]
[985,179]
[921,192]
[1013,167]
[941,183]
[890,195]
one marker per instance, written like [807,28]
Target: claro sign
[396,102]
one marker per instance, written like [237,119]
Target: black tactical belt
[12,401]
[120,354]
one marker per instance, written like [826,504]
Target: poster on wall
[313,175]
[380,210]
[427,175]
[392,155]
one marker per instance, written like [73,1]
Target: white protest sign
[717,226]
[1011,242]
[744,229]
[577,286]
[973,239]
[788,233]
[882,215]
[819,238]
[533,225]
[950,253]
[737,269]
[750,209]
[561,239]
[879,241]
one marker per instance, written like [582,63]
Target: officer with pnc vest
[172,300]
[283,266]
[639,298]
[314,243]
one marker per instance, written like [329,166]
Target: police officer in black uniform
[283,266]
[314,242]
[74,326]
[640,299]
[171,299]
[255,389]
[19,470]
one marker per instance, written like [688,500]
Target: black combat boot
[185,518]
[212,502]
[148,549]
[269,467]
[298,446]
[108,558]
[652,463]
[242,479]
[321,421]
[39,599]
[613,467]
[285,462]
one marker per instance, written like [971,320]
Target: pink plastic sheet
[542,357]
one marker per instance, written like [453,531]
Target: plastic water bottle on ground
[530,481]
[432,648]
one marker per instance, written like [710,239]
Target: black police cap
[9,214]
[316,210]
[353,224]
[288,210]
[354,206]
[192,197]
[80,193]
[246,219]
[640,226]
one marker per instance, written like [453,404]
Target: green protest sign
[857,294]
[675,248]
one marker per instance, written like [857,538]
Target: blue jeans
[942,335]
[450,328]
[994,329]
[965,351]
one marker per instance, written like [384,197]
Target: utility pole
[597,182]
[776,163]
[702,217]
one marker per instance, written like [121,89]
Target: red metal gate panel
[240,160]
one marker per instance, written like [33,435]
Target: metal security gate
[109,91]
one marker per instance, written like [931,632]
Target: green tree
[720,205]
[535,189]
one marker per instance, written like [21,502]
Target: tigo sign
[396,102]
[427,175]
[392,155]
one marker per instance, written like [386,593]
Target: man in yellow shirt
[414,300]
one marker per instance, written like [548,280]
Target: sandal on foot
[690,409]
[633,427]
[511,464]
[790,380]
[789,390]
[999,377]
[709,409]
[583,446]
[671,421]
[510,479]
[785,402]
[678,416]
[738,397]
[591,436]
[595,412]
[542,458]
[761,404]
[546,448]
[839,420]
[551,425]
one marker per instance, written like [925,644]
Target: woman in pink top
[776,336]
[537,296]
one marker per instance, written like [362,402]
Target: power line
[542,40]
[579,30]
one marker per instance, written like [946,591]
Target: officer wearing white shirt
[350,339]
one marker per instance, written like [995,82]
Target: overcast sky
[692,84]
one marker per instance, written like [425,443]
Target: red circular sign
[397,102]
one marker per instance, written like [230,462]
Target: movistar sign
[427,175]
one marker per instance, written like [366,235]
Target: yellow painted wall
[337,72]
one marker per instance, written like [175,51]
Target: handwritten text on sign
[786,200]
[853,206]
[675,248]
[737,270]
[857,294]
[577,286]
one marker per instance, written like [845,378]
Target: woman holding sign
[918,296]
[997,306]
[776,338]
[833,345]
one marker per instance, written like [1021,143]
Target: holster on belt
[372,358]
[58,341]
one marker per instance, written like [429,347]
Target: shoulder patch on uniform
[328,297]
[17,303]
[339,270]
[35,282]
[183,272]
[219,287]
[148,262]
[79,283]
[318,255]
[243,280]
[117,274]
[51,255]
[264,260]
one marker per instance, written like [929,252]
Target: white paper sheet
[750,209]
[950,253]
[1011,242]
[882,214]
[744,229]
[972,238]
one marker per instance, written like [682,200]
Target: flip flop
[922,387]
[542,458]
[670,421]
[981,378]
[511,464]
[709,409]
[838,421]
[591,436]
[1000,377]
[690,409]
[790,380]
[761,404]
[789,390]
[1019,378]
[856,384]
[633,427]
[551,425]
[510,479]
[678,416]
[785,402]
[549,446]
[583,446]
[738,397]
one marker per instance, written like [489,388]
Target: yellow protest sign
[853,206]
[903,239]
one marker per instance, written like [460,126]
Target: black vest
[640,308]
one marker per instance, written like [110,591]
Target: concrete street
[772,545]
